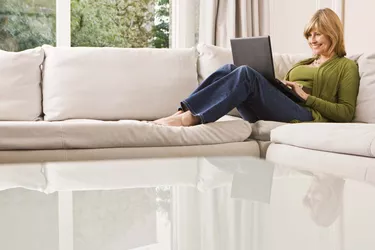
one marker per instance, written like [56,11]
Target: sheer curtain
[221,20]
[216,222]
[214,215]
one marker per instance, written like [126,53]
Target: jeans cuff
[185,107]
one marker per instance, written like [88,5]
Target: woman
[328,82]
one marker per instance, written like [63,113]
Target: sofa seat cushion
[345,138]
[261,130]
[85,134]
[20,91]
[248,148]
[370,175]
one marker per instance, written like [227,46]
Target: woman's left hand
[298,89]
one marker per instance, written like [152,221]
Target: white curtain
[221,20]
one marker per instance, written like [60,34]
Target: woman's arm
[344,109]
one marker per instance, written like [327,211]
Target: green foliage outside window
[161,29]
[94,23]
[26,24]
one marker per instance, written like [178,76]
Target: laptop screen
[254,52]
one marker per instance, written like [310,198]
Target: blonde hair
[328,23]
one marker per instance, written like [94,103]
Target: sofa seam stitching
[63,142]
[62,137]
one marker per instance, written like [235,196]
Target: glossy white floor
[213,203]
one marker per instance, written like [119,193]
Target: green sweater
[335,90]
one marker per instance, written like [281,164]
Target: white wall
[288,19]
[359,19]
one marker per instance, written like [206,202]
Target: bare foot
[178,112]
[173,120]
[184,119]
[162,120]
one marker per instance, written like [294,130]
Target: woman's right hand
[297,88]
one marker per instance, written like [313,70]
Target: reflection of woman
[328,82]
[324,199]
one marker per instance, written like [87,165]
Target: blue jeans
[245,89]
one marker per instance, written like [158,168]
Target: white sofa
[94,103]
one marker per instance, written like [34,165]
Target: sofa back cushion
[212,57]
[284,62]
[20,92]
[116,83]
[365,111]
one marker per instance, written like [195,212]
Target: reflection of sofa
[92,103]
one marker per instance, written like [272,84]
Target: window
[120,23]
[26,24]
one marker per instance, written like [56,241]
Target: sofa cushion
[370,175]
[261,130]
[20,92]
[365,111]
[346,138]
[284,62]
[212,57]
[84,134]
[116,83]
[248,148]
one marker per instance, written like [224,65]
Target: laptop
[256,53]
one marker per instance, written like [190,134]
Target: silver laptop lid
[254,52]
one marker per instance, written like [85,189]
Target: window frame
[63,36]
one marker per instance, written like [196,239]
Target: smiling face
[320,44]
[325,34]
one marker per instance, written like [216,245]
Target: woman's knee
[246,69]
[229,67]
[249,72]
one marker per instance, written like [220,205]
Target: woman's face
[319,43]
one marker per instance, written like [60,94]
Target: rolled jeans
[247,90]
